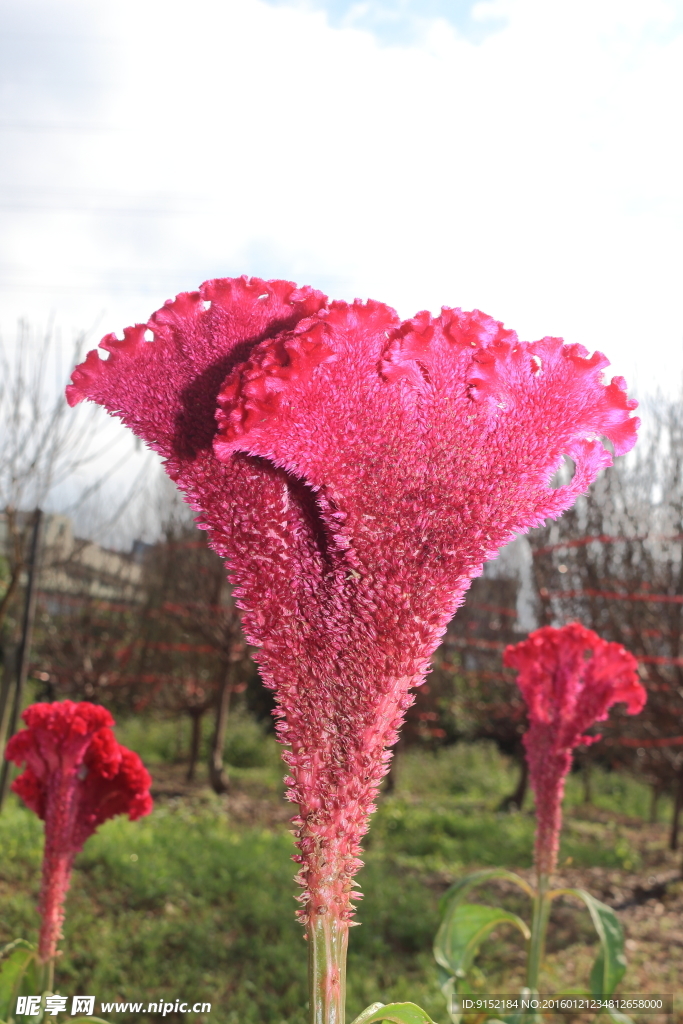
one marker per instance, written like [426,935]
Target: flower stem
[56,878]
[327,944]
[539,928]
[46,975]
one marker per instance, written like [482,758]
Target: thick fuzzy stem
[58,858]
[548,827]
[56,879]
[327,945]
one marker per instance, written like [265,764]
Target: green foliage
[469,925]
[21,842]
[186,904]
[182,904]
[165,741]
[19,975]
[157,741]
[473,772]
[248,745]
[444,837]
[459,889]
[465,926]
[610,964]
[398,1013]
[178,904]
[617,793]
[478,775]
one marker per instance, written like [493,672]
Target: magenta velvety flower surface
[569,678]
[355,471]
[77,776]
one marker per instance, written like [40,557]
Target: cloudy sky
[520,156]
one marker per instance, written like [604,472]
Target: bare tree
[193,597]
[44,446]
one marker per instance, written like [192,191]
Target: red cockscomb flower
[569,679]
[362,471]
[77,776]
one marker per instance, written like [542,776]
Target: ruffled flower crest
[569,679]
[76,777]
[358,473]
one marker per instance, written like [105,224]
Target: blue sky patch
[402,22]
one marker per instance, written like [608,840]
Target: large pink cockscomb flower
[358,473]
[77,776]
[569,679]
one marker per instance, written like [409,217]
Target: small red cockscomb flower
[569,679]
[77,776]
[354,471]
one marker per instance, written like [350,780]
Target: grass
[247,744]
[181,905]
[191,904]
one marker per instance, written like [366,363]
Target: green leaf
[399,1013]
[460,888]
[464,929]
[452,900]
[18,970]
[618,1017]
[610,963]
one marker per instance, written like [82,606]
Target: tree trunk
[655,793]
[678,805]
[196,717]
[389,786]
[9,671]
[586,773]
[217,775]
[516,798]
[15,540]
[24,650]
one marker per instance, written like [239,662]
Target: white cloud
[535,174]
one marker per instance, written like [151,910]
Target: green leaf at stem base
[399,1013]
[466,925]
[457,940]
[463,931]
[19,975]
[456,893]
[610,963]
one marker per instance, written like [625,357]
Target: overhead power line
[136,211]
[55,126]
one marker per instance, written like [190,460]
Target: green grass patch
[617,793]
[179,905]
[184,904]
[159,741]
